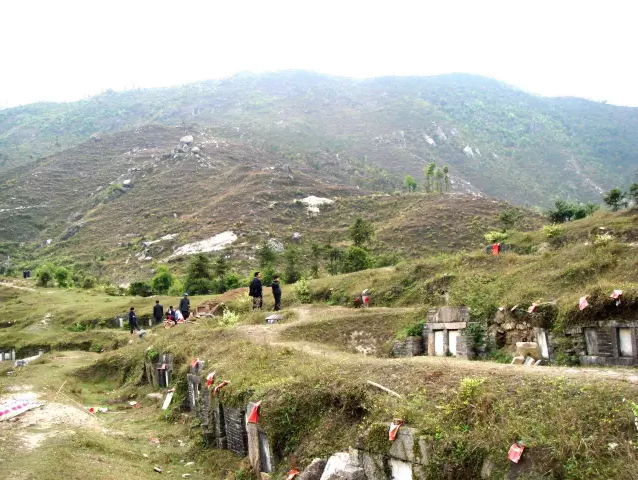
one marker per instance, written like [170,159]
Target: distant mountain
[495,138]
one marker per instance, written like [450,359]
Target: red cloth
[254,413]
[515,452]
[394,429]
[292,474]
[219,387]
[194,362]
[496,248]
[209,379]
[583,303]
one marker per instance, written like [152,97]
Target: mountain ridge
[530,148]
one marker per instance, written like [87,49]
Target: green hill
[520,147]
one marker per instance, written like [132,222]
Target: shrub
[302,291]
[233,281]
[112,290]
[177,288]
[162,280]
[62,276]
[200,286]
[45,274]
[89,282]
[495,237]
[553,231]
[140,289]
[603,239]
[356,259]
[387,260]
[415,330]
[228,318]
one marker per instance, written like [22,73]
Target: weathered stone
[525,349]
[374,467]
[340,468]
[400,470]
[314,470]
[156,396]
[487,469]
[519,360]
[195,150]
[509,326]
[187,139]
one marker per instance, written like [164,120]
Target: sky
[65,50]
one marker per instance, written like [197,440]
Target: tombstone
[259,451]
[194,384]
[236,435]
[219,424]
[164,370]
[120,321]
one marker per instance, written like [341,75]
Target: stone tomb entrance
[7,355]
[445,332]
[607,343]
[198,400]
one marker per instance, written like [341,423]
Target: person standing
[158,312]
[256,291]
[276,292]
[132,320]
[185,306]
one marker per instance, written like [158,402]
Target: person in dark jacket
[132,320]
[158,312]
[185,306]
[276,292]
[171,316]
[255,291]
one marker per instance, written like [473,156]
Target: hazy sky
[65,50]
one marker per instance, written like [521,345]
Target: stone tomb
[259,451]
[198,395]
[164,370]
[445,332]
[7,355]
[606,343]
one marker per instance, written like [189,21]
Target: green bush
[415,330]
[140,289]
[112,290]
[162,280]
[62,276]
[228,318]
[45,274]
[177,288]
[495,237]
[201,286]
[232,281]
[357,259]
[89,282]
[302,291]
[553,231]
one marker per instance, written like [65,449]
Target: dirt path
[17,287]
[265,334]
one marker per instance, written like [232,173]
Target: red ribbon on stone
[292,474]
[394,429]
[254,413]
[219,387]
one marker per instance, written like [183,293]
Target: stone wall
[410,347]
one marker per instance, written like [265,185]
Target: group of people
[256,291]
[172,316]
[183,312]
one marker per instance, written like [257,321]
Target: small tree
[62,276]
[162,280]
[633,193]
[315,251]
[266,255]
[439,179]
[357,259]
[508,218]
[140,289]
[615,198]
[446,177]
[199,267]
[410,183]
[220,268]
[44,274]
[291,274]
[591,208]
[429,176]
[361,232]
[334,256]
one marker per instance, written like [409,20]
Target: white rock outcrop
[212,244]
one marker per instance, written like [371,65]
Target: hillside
[118,205]
[311,370]
[520,147]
